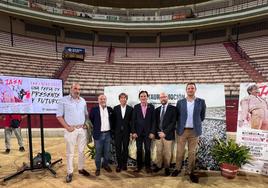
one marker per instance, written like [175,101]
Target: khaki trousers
[192,140]
[163,152]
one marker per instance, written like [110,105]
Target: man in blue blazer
[142,130]
[101,117]
[191,112]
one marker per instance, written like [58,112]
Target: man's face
[143,98]
[102,100]
[163,98]
[75,91]
[190,90]
[123,100]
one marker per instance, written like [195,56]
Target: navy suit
[143,127]
[122,129]
[102,140]
[96,120]
[198,115]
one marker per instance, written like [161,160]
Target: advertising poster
[21,95]
[252,125]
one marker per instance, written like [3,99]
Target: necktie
[162,117]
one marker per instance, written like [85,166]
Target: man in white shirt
[101,118]
[72,114]
[122,129]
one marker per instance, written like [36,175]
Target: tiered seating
[28,66]
[204,53]
[261,64]
[95,78]
[46,49]
[28,46]
[255,47]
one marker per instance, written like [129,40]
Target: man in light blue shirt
[191,113]
[72,114]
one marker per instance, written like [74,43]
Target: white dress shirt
[105,124]
[123,111]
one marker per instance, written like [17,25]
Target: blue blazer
[96,120]
[198,116]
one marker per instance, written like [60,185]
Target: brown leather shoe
[118,169]
[107,168]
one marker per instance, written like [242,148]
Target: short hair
[143,91]
[101,94]
[122,95]
[251,87]
[75,84]
[190,83]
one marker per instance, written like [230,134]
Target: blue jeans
[102,147]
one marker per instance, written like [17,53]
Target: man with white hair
[101,117]
[72,114]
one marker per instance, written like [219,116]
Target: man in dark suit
[164,131]
[101,117]
[142,130]
[191,113]
[122,129]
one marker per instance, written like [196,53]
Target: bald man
[101,117]
[72,114]
[164,131]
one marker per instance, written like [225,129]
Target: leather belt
[78,126]
[105,131]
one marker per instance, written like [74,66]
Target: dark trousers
[121,148]
[147,147]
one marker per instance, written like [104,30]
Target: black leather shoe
[107,168]
[7,151]
[84,172]
[157,169]
[97,173]
[21,149]
[148,170]
[137,170]
[167,172]
[175,173]
[194,178]
[124,168]
[118,169]
[69,178]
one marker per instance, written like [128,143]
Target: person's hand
[161,134]
[151,136]
[70,129]
[134,136]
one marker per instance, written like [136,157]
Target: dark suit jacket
[169,122]
[96,120]
[198,116]
[141,125]
[120,124]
